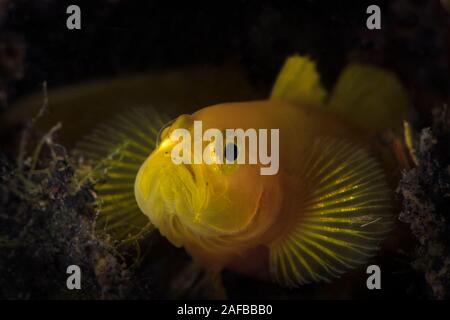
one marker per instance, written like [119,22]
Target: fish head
[215,196]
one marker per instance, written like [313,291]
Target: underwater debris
[425,192]
[47,215]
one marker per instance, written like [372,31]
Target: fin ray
[370,97]
[299,82]
[117,149]
[344,213]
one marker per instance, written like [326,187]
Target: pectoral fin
[343,215]
[117,150]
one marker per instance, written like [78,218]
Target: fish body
[266,205]
[324,212]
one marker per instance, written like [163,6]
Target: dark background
[126,36]
[135,36]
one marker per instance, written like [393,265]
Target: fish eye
[161,132]
[231,152]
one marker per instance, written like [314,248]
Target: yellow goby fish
[324,212]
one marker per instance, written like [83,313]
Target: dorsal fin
[299,82]
[370,97]
[343,215]
[365,95]
[117,150]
